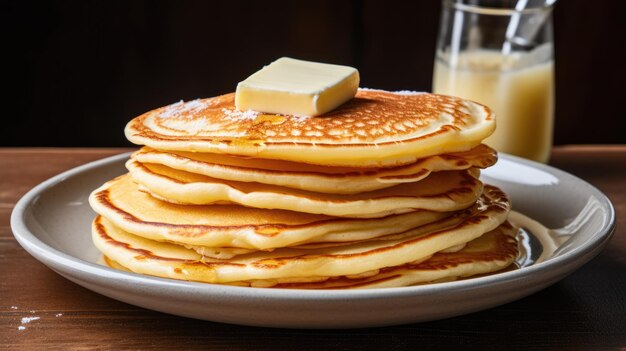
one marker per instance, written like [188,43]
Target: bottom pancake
[147,256]
[489,253]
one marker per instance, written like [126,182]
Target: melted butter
[271,119]
[246,142]
[267,231]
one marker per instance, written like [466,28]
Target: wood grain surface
[586,310]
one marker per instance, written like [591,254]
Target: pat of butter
[295,87]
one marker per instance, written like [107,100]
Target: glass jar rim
[482,10]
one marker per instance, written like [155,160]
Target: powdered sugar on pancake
[182,108]
[236,115]
[399,92]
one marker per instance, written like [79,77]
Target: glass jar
[500,53]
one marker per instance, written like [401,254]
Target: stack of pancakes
[381,192]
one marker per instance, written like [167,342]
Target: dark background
[76,71]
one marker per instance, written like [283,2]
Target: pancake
[343,239]
[442,191]
[324,179]
[489,253]
[376,128]
[174,261]
[449,220]
[233,226]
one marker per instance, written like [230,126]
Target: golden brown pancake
[234,226]
[169,260]
[316,178]
[381,192]
[489,253]
[442,191]
[376,128]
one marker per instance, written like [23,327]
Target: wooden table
[586,310]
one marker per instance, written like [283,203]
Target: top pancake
[376,128]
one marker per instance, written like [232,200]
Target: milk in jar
[518,87]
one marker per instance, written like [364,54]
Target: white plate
[52,222]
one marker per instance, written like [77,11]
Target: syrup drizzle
[537,243]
